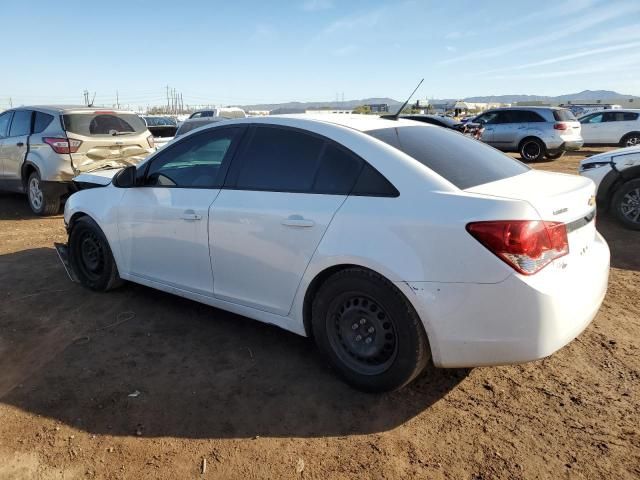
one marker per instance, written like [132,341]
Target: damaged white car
[390,242]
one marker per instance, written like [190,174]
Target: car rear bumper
[520,319]
[571,145]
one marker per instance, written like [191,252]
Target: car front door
[14,149]
[281,194]
[487,121]
[505,129]
[5,121]
[591,130]
[163,222]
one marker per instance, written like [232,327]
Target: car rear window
[461,160]
[103,123]
[564,115]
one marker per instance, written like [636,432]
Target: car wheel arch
[627,135]
[529,138]
[26,170]
[323,275]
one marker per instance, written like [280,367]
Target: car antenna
[397,114]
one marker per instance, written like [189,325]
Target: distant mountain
[297,107]
[584,95]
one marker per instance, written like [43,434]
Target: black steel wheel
[368,331]
[90,256]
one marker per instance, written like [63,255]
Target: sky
[247,52]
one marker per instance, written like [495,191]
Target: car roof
[613,110]
[525,108]
[362,123]
[69,109]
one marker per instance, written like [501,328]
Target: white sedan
[390,242]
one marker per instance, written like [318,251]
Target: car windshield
[461,160]
[103,123]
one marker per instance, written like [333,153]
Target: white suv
[611,127]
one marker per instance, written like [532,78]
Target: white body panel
[256,253]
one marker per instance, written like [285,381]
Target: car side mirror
[126,178]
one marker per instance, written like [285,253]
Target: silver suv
[43,147]
[534,132]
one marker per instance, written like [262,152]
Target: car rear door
[281,195]
[163,222]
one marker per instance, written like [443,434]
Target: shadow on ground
[74,356]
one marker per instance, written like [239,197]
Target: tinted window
[619,116]
[338,171]
[4,123]
[103,123]
[372,183]
[21,124]
[529,116]
[564,115]
[280,160]
[187,126]
[41,122]
[460,160]
[195,162]
[487,118]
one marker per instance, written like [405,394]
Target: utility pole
[117,100]
[167,98]
[10,102]
[86,97]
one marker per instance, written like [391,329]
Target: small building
[378,107]
[323,111]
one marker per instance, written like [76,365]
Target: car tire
[630,140]
[555,156]
[91,258]
[532,150]
[626,204]
[368,331]
[41,203]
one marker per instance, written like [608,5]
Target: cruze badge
[560,210]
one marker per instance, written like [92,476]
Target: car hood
[97,177]
[607,156]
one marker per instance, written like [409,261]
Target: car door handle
[190,215]
[297,221]
[20,144]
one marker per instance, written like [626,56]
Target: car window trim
[231,153]
[10,113]
[237,164]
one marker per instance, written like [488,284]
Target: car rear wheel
[91,258]
[631,140]
[626,204]
[368,331]
[532,150]
[555,156]
[41,203]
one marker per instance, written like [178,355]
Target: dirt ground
[141,384]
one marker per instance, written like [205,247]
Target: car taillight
[561,126]
[526,245]
[150,141]
[63,145]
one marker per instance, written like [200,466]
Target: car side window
[279,159]
[41,121]
[596,118]
[338,171]
[21,124]
[488,118]
[630,116]
[199,161]
[531,117]
[5,118]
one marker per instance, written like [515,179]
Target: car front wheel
[368,331]
[41,202]
[90,256]
[626,204]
